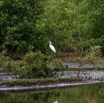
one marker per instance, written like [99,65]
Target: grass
[43,81]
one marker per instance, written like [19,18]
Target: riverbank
[63,79]
[42,81]
[40,84]
[72,57]
[73,74]
[21,84]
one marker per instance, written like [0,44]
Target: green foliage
[73,25]
[93,53]
[37,65]
[18,21]
[4,61]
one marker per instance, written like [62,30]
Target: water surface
[93,93]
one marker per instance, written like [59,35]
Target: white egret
[52,47]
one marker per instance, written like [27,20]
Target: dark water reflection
[93,93]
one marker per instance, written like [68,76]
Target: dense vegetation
[72,25]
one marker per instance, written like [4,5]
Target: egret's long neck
[50,43]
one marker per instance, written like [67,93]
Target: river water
[93,93]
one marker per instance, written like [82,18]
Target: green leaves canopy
[70,24]
[18,21]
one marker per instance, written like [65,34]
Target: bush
[37,65]
[5,62]
[93,53]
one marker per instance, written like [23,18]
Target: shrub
[5,62]
[37,65]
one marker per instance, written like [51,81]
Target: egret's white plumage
[52,47]
[56,101]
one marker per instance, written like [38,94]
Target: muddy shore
[51,86]
[85,77]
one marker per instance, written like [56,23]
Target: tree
[18,21]
[73,25]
